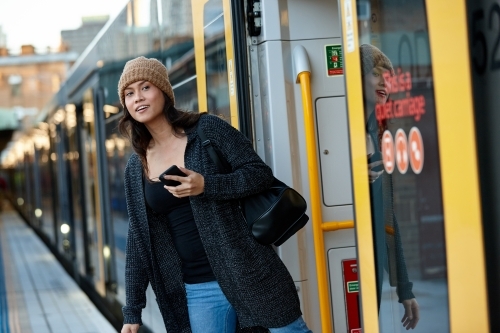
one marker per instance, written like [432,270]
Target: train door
[309,119]
[229,56]
[301,131]
[46,209]
[64,187]
[94,262]
[483,19]
[418,225]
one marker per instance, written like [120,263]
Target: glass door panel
[403,164]
[91,190]
[213,40]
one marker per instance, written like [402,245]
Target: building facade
[28,81]
[78,39]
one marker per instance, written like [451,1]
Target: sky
[39,22]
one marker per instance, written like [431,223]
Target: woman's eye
[145,87]
[128,94]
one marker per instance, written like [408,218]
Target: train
[289,75]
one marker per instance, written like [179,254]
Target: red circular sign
[416,150]
[387,147]
[401,144]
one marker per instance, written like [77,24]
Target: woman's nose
[138,97]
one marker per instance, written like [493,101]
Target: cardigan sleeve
[136,283]
[248,174]
[136,278]
[404,286]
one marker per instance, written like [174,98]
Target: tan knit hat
[150,70]
[372,57]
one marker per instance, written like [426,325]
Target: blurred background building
[3,38]
[176,18]
[78,39]
[27,82]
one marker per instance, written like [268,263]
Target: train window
[215,59]
[47,184]
[403,163]
[90,232]
[75,185]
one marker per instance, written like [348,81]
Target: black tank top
[187,242]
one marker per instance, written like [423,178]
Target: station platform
[36,293]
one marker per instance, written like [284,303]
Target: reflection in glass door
[403,162]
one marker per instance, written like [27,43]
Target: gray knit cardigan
[251,275]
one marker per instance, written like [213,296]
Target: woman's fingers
[130,328]
[186,171]
[373,175]
[375,164]
[412,313]
[192,184]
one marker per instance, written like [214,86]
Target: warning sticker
[334,61]
[388,152]
[416,148]
[401,143]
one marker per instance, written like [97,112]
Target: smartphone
[172,171]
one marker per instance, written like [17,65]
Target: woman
[190,242]
[388,248]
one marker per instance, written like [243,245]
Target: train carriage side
[292,80]
[409,227]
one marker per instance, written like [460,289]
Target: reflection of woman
[387,239]
[190,242]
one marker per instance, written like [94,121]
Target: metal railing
[302,73]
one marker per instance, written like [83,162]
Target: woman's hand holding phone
[172,171]
[375,166]
[182,182]
[375,170]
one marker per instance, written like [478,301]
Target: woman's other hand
[191,185]
[130,328]
[373,175]
[412,315]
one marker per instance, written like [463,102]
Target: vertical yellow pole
[360,185]
[198,7]
[304,78]
[231,70]
[450,51]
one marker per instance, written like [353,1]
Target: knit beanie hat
[372,57]
[150,70]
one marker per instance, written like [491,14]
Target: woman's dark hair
[139,135]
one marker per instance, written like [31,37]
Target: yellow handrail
[319,244]
[333,226]
[303,75]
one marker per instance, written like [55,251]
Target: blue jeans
[298,326]
[209,310]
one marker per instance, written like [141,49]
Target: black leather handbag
[273,215]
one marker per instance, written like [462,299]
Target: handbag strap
[219,161]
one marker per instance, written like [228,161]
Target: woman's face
[375,88]
[144,101]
